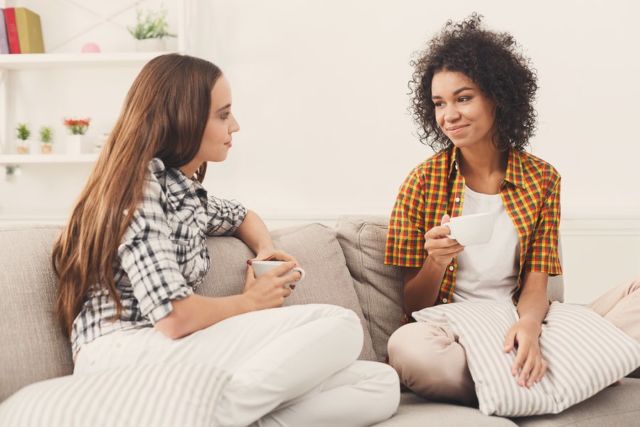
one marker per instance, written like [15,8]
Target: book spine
[4,43]
[12,30]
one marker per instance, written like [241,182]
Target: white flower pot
[74,144]
[150,45]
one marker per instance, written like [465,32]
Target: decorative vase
[74,144]
[150,45]
[46,148]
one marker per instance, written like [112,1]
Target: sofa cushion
[614,406]
[147,395]
[317,250]
[32,346]
[379,286]
[417,412]
[584,351]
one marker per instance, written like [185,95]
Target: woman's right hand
[269,290]
[440,248]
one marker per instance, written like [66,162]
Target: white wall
[320,93]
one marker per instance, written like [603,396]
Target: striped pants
[431,362]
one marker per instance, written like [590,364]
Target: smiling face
[463,113]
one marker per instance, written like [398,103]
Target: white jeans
[291,366]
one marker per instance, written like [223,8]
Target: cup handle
[302,274]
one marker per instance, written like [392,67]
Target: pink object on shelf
[90,48]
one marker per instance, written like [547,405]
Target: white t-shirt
[488,271]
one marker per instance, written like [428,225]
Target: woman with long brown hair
[134,251]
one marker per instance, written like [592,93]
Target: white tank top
[488,271]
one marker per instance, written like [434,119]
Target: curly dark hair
[491,60]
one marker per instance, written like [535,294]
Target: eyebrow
[223,108]
[455,92]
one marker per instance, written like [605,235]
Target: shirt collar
[177,183]
[513,175]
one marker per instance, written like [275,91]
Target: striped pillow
[147,395]
[584,351]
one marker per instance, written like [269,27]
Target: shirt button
[457,199]
[444,300]
[451,268]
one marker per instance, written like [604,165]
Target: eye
[438,104]
[464,98]
[225,115]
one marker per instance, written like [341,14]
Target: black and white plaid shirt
[162,256]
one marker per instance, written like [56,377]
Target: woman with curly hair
[135,250]
[473,95]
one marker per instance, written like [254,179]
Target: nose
[451,113]
[235,126]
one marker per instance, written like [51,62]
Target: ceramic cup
[472,229]
[261,267]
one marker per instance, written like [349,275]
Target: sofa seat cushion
[317,250]
[147,395]
[618,405]
[417,412]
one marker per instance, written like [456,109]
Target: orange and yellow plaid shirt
[531,196]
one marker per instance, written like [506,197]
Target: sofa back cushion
[32,345]
[379,286]
[315,247]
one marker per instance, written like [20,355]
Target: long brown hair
[164,115]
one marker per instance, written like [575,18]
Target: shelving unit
[61,60]
[16,63]
[23,159]
[39,188]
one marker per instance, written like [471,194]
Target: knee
[342,324]
[384,380]
[404,348]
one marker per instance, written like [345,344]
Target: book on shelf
[29,31]
[4,43]
[24,30]
[12,30]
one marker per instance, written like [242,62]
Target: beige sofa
[344,266]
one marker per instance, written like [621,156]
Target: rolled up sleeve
[224,216]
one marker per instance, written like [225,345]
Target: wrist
[266,248]
[246,304]
[430,261]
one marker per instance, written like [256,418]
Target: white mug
[472,229]
[261,267]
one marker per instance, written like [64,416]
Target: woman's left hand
[275,255]
[529,367]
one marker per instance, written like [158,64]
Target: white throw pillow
[585,353]
[147,395]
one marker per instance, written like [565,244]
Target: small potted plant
[150,31]
[46,139]
[23,134]
[77,128]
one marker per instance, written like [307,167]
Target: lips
[455,130]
